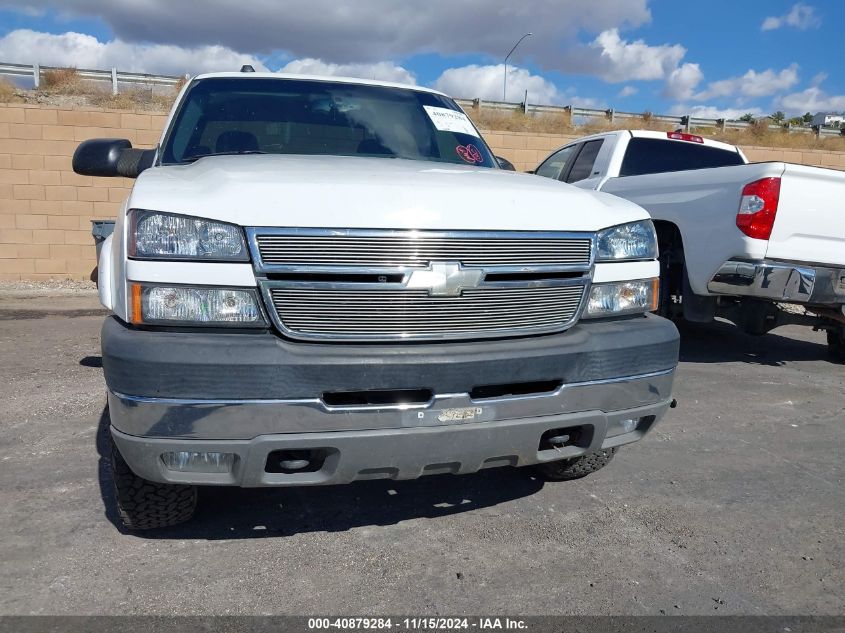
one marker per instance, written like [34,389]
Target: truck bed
[809,226]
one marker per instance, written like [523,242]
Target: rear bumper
[780,281]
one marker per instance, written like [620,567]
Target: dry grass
[8,92]
[66,82]
[760,136]
[757,134]
[132,99]
[63,81]
[519,122]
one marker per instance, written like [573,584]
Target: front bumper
[255,394]
[396,453]
[780,281]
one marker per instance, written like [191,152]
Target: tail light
[758,208]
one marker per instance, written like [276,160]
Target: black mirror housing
[108,157]
[504,163]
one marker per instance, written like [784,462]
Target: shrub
[8,92]
[62,80]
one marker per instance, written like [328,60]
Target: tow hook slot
[558,440]
[292,462]
[555,439]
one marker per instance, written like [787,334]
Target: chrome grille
[404,249]
[366,314]
[372,285]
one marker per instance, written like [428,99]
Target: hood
[356,192]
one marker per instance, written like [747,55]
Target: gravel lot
[733,505]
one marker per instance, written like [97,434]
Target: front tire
[567,469]
[146,505]
[836,344]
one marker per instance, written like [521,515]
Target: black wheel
[836,344]
[146,505]
[672,271]
[575,468]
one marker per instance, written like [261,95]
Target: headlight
[183,305]
[622,297]
[636,240]
[154,235]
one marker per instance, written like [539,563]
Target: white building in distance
[828,118]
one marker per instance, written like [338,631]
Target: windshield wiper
[239,152]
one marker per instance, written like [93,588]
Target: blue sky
[663,56]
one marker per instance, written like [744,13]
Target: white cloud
[616,60]
[800,16]
[813,99]
[818,79]
[752,84]
[682,81]
[376,30]
[486,82]
[360,31]
[383,71]
[628,91]
[85,51]
[713,112]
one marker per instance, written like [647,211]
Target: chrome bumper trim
[247,419]
[780,281]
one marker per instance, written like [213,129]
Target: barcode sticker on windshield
[447,120]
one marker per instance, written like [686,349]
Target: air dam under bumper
[616,383]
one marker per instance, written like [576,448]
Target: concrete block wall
[524,149]
[46,209]
[815,157]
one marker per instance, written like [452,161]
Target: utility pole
[505,83]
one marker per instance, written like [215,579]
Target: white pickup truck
[737,240]
[320,280]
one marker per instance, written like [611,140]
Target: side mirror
[504,163]
[111,157]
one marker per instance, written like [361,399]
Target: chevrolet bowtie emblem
[445,279]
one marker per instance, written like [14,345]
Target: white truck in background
[737,240]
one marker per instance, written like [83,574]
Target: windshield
[286,116]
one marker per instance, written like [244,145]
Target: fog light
[620,427]
[624,297]
[182,305]
[191,462]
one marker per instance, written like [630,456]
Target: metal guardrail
[34,72]
[830,131]
[686,122]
